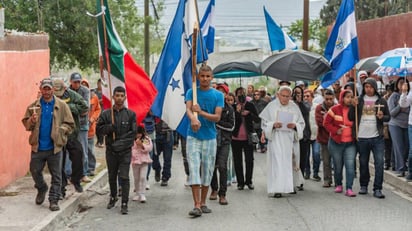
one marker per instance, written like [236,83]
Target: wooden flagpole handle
[107,56]
[194,60]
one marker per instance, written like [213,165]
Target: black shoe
[316,178]
[91,173]
[164,183]
[401,174]
[306,176]
[123,209]
[363,190]
[112,202]
[378,194]
[41,196]
[54,206]
[157,176]
[277,195]
[300,188]
[251,186]
[78,187]
[387,167]
[240,187]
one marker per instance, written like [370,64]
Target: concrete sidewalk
[18,210]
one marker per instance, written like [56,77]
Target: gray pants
[54,163]
[326,158]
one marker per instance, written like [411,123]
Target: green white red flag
[124,71]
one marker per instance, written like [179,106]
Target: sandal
[196,212]
[205,209]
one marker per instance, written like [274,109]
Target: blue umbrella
[237,69]
[395,62]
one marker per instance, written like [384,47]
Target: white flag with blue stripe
[207,26]
[172,76]
[278,39]
[342,46]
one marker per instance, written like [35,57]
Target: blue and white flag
[342,46]
[278,39]
[207,26]
[173,73]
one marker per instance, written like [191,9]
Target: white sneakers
[141,198]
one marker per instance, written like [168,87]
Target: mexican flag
[124,71]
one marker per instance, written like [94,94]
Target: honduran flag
[124,71]
[342,46]
[278,39]
[173,73]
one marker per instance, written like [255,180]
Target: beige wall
[21,69]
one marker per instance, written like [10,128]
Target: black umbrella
[293,65]
[367,64]
[236,69]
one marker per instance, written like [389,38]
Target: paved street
[315,208]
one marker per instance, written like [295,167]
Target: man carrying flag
[342,46]
[172,76]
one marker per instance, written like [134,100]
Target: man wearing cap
[50,122]
[75,85]
[77,106]
[224,130]
[362,75]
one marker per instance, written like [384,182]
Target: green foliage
[317,33]
[73,34]
[365,9]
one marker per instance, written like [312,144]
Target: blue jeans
[83,140]
[91,156]
[343,154]
[377,146]
[400,146]
[164,143]
[316,159]
[410,150]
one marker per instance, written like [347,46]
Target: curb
[71,205]
[398,183]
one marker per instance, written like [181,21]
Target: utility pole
[146,38]
[305,34]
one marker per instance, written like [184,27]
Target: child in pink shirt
[140,161]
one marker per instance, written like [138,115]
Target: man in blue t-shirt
[201,137]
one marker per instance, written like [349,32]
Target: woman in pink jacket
[140,161]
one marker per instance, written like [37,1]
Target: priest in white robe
[282,124]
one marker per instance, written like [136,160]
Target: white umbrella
[395,62]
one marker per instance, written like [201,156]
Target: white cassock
[282,143]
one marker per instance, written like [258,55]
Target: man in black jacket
[120,134]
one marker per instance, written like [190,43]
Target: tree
[73,34]
[365,9]
[317,34]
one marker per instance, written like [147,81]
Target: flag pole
[356,107]
[194,59]
[107,55]
[204,60]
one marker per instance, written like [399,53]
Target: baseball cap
[59,87]
[75,77]
[46,82]
[298,83]
[223,86]
[362,74]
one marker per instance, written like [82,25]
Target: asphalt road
[315,208]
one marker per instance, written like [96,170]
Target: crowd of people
[298,128]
